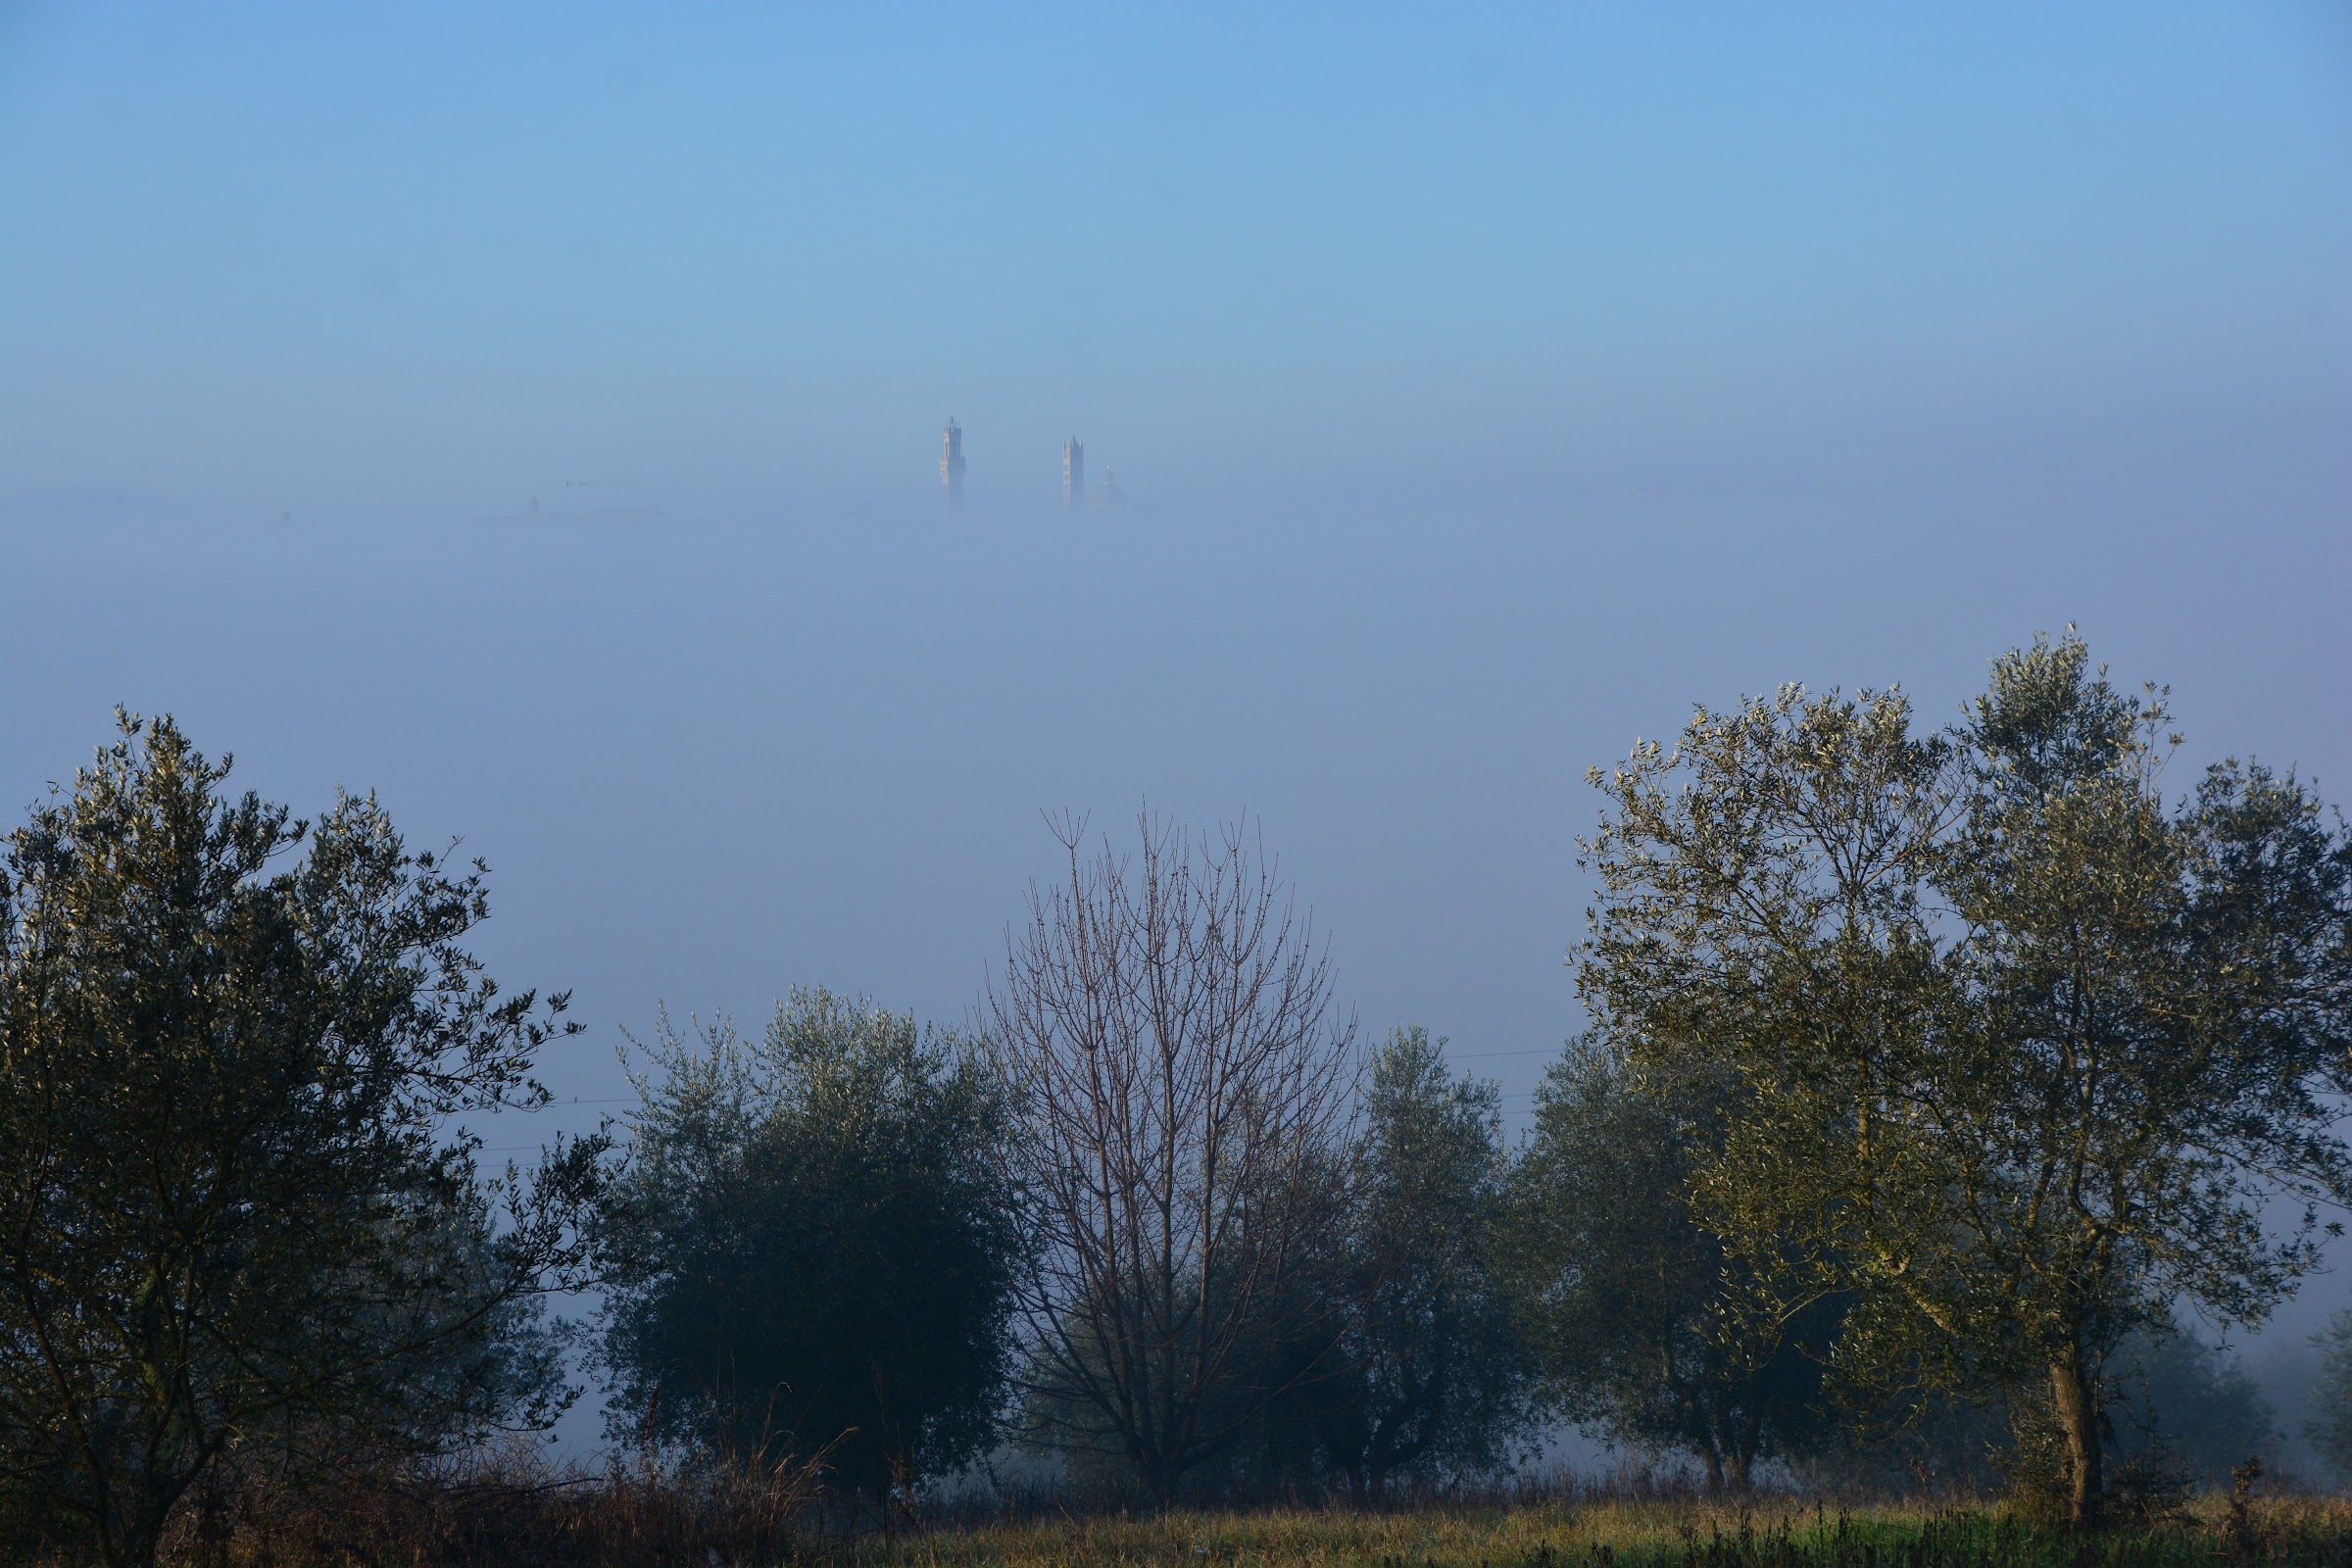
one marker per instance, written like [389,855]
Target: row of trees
[1930,1074]
[1151,1217]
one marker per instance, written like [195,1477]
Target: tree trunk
[129,1517]
[132,1542]
[2075,1395]
[1747,1439]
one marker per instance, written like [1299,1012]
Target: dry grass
[1624,1533]
[516,1513]
[508,1507]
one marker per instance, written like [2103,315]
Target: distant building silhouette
[1111,498]
[950,465]
[1073,476]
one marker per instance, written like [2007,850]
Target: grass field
[512,1515]
[1625,1534]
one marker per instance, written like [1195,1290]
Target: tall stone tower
[1073,476]
[950,465]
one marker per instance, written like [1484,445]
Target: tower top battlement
[1073,476]
[950,465]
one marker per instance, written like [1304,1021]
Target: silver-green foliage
[2330,1428]
[235,1224]
[1642,1323]
[809,1252]
[1435,1383]
[2024,1048]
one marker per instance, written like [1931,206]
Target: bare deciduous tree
[1167,1024]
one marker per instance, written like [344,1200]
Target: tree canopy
[1640,1322]
[811,1252]
[234,1211]
[1430,1378]
[2024,1049]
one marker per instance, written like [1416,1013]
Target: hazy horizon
[1485,393]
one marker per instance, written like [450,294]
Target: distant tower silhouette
[1073,476]
[950,465]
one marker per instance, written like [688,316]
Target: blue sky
[324,259]
[1490,384]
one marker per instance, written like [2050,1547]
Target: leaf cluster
[234,1214]
[811,1251]
[2021,1047]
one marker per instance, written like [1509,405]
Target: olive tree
[234,1215]
[2024,1048]
[2184,1406]
[2329,1427]
[1642,1324]
[1430,1374]
[810,1253]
